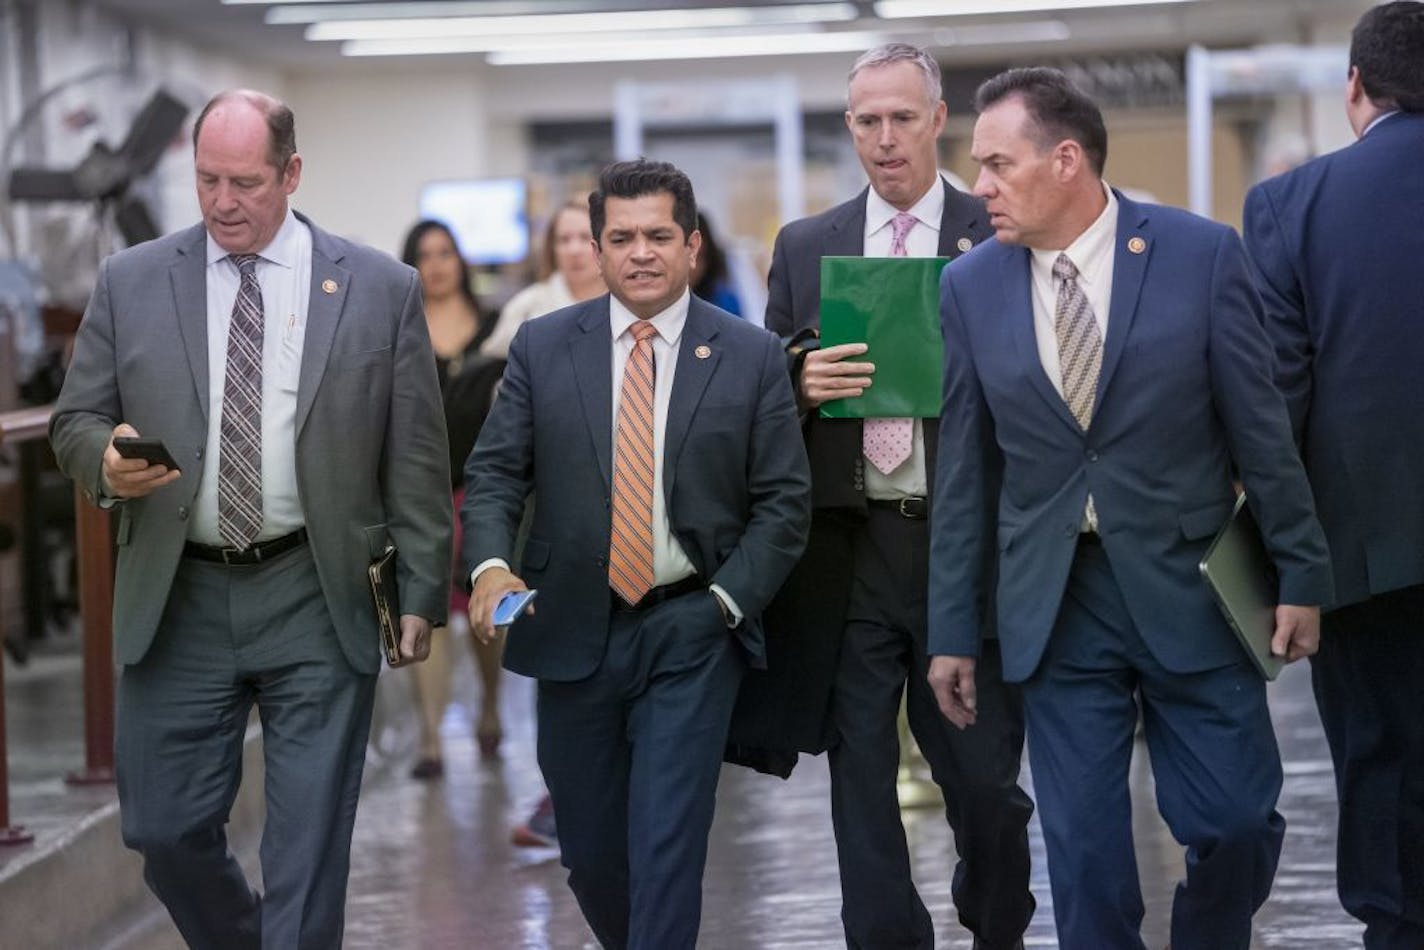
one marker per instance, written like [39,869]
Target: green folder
[892,305]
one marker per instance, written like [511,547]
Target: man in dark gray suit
[290,376]
[659,435]
[853,612]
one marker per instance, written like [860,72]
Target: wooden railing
[93,539]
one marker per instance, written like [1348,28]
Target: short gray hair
[890,53]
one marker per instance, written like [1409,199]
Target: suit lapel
[190,301]
[961,220]
[591,353]
[1018,293]
[323,315]
[690,382]
[1134,247]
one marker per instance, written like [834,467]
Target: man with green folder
[854,609]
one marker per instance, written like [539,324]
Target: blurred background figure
[711,280]
[568,273]
[468,377]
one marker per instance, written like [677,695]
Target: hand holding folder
[892,305]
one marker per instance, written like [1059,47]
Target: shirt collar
[1090,246]
[1377,120]
[929,210]
[669,322]
[282,250]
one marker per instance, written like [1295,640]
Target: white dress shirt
[284,274]
[909,478]
[670,562]
[1092,253]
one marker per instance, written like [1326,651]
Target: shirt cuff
[734,612]
[485,565]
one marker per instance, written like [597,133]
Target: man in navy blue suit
[660,437]
[1109,356]
[1337,249]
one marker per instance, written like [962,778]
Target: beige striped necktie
[630,554]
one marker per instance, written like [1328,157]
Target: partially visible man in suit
[858,597]
[659,434]
[1336,246]
[290,376]
[1108,357]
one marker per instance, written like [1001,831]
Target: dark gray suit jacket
[371,450]
[734,476]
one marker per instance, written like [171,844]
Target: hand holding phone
[511,606]
[152,451]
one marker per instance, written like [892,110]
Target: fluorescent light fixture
[583,50]
[1031,31]
[896,9]
[321,12]
[799,14]
[548,41]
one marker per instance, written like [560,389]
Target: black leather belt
[253,554]
[660,594]
[916,509]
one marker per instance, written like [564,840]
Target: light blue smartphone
[511,606]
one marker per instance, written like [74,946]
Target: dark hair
[713,260]
[410,253]
[1059,110]
[281,123]
[639,177]
[1387,47]
[548,263]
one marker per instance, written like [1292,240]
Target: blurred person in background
[468,378]
[570,275]
[1336,246]
[711,280]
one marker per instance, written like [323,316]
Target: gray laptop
[1241,577]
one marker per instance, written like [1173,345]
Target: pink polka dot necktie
[887,442]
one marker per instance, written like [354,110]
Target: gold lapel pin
[328,286]
[702,352]
[963,244]
[1136,245]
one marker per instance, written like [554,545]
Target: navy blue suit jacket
[1185,391]
[735,477]
[1337,247]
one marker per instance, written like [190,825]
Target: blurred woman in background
[710,278]
[569,273]
[468,378]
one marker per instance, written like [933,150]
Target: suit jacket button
[601,561]
[199,453]
[1070,530]
[1092,455]
[183,513]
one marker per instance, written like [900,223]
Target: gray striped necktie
[240,438]
[1080,344]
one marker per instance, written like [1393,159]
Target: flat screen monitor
[488,215]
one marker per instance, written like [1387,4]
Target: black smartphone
[152,451]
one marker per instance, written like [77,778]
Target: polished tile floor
[432,866]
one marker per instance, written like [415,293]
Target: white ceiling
[239,28]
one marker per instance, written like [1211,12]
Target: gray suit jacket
[371,446]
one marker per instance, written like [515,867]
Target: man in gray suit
[290,376]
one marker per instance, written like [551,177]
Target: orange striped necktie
[630,555]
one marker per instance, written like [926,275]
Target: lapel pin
[328,286]
[1136,245]
[963,244]
[702,352]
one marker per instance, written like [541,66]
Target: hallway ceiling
[254,29]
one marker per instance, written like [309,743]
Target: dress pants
[1368,676]
[883,656]
[631,756]
[232,637]
[1215,763]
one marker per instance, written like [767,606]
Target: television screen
[488,215]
